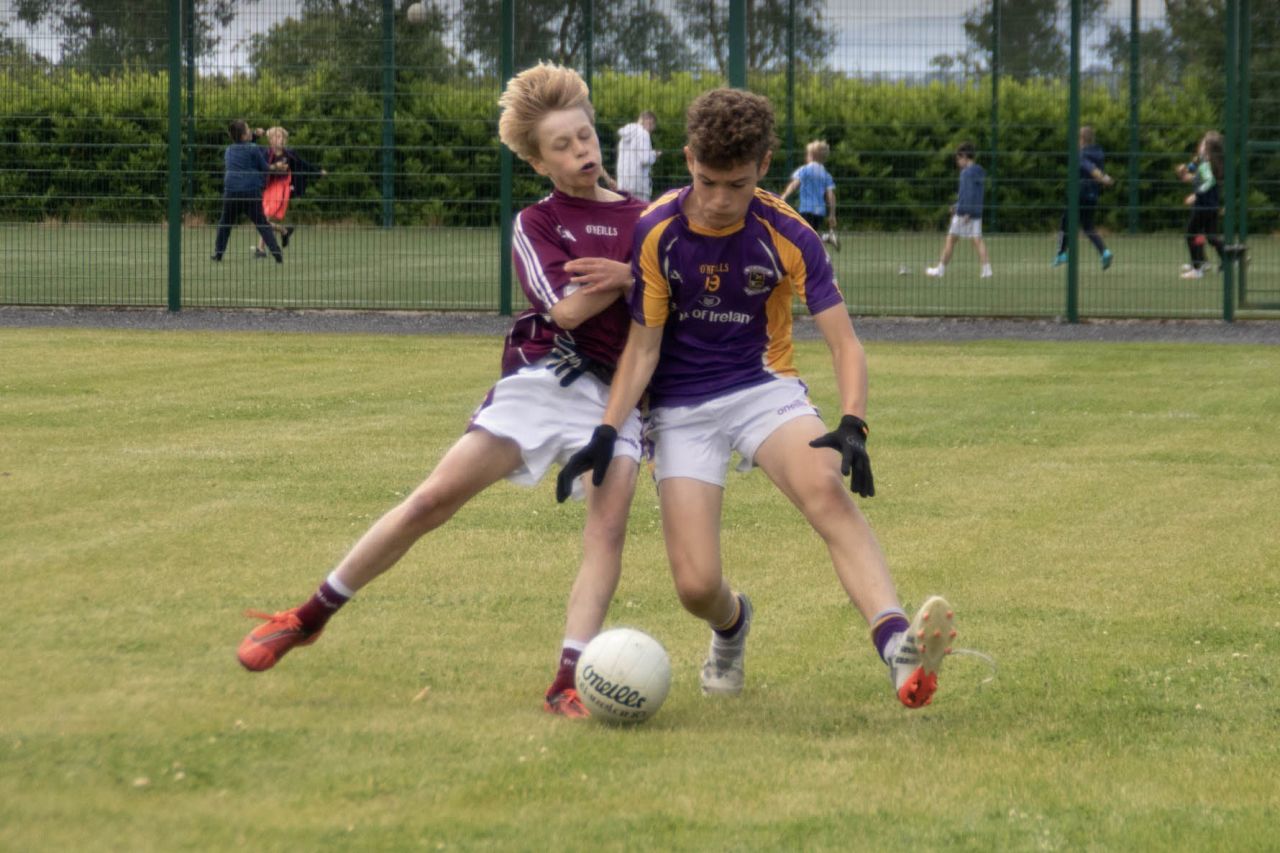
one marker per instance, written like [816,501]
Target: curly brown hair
[725,128]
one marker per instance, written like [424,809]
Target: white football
[416,13]
[623,676]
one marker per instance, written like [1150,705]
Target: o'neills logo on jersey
[620,693]
[759,280]
[602,230]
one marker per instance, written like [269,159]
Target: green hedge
[83,148]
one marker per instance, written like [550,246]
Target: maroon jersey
[546,235]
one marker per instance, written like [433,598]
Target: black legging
[1086,225]
[1202,228]
[235,206]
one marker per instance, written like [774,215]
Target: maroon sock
[564,675]
[316,612]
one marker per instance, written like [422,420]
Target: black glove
[595,457]
[850,440]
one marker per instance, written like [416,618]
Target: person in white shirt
[636,156]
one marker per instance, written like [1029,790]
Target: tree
[1035,37]
[15,53]
[343,38]
[105,34]
[707,25]
[1190,43]
[627,35]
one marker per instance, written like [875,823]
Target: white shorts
[966,226]
[696,441]
[549,422]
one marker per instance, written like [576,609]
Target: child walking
[1092,180]
[817,188]
[1204,172]
[571,252]
[966,213]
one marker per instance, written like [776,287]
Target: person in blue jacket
[1092,180]
[966,213]
[245,177]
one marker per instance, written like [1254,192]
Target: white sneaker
[722,672]
[1193,273]
[934,272]
[914,664]
[986,273]
[1186,267]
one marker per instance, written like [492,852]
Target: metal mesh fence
[392,123]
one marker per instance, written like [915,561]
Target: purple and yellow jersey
[545,236]
[724,296]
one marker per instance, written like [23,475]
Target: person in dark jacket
[1092,180]
[245,177]
[966,213]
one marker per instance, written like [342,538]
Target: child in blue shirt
[817,192]
[966,213]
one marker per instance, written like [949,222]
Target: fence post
[189,22]
[588,40]
[1243,84]
[1073,172]
[791,88]
[1134,103]
[995,109]
[738,43]
[506,178]
[1231,160]
[175,155]
[388,113]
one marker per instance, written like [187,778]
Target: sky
[873,36]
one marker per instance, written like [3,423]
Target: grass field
[1103,517]
[438,269]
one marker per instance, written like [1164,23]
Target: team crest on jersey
[759,280]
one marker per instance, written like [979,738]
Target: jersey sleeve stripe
[534,275]
[656,288]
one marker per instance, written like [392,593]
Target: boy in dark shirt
[1092,180]
[966,214]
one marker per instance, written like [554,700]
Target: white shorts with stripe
[696,441]
[548,421]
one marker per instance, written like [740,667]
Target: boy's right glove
[850,441]
[595,457]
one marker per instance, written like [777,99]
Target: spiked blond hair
[533,93]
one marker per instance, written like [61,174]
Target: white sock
[986,269]
[338,586]
[891,647]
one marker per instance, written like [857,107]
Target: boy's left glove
[850,441]
[595,457]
